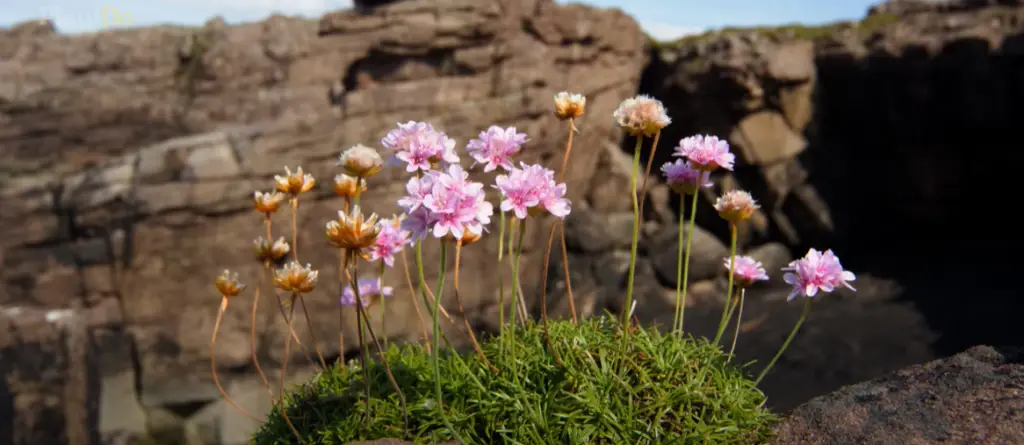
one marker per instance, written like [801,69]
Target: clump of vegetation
[867,25]
[600,381]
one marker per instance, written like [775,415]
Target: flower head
[683,178]
[361,161]
[445,203]
[370,291]
[267,251]
[391,240]
[353,231]
[569,105]
[420,146]
[227,284]
[746,271]
[707,153]
[347,186]
[736,205]
[495,147]
[642,116]
[816,271]
[267,202]
[295,183]
[296,278]
[530,189]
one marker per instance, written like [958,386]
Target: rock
[592,232]
[705,256]
[765,137]
[792,62]
[975,397]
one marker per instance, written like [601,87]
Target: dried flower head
[736,205]
[531,189]
[391,240]
[746,271]
[467,238]
[707,153]
[295,278]
[419,146]
[569,105]
[295,183]
[816,271]
[495,147]
[227,284]
[267,251]
[353,231]
[361,161]
[642,116]
[370,292]
[683,178]
[347,186]
[267,202]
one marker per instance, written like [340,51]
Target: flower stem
[213,361]
[515,276]
[383,303]
[312,333]
[437,348]
[739,319]
[415,305]
[636,235]
[501,281]
[682,283]
[465,319]
[732,264]
[289,319]
[565,252]
[799,322]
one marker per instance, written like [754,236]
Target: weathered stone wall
[131,157]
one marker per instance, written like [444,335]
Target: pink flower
[736,205]
[683,178]
[746,271]
[391,240]
[495,147]
[370,291]
[529,189]
[707,153]
[641,115]
[445,203]
[816,271]
[420,146]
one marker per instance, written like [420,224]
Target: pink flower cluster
[683,178]
[816,271]
[370,290]
[391,240]
[707,153]
[746,270]
[529,189]
[445,203]
[495,147]
[420,146]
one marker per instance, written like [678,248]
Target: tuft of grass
[607,388]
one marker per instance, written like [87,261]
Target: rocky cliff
[130,156]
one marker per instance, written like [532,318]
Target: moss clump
[608,389]
[867,25]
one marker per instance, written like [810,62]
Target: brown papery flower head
[295,183]
[353,231]
[347,186]
[296,278]
[227,284]
[267,202]
[267,251]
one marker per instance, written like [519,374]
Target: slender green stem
[501,281]
[636,235]
[383,304]
[739,319]
[681,301]
[799,322]
[437,346]
[732,263]
[515,276]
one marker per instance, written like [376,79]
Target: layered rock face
[131,158]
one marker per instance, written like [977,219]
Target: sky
[664,19]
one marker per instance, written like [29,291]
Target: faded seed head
[296,278]
[267,202]
[569,105]
[642,116]
[736,206]
[361,161]
[468,238]
[295,183]
[347,186]
[265,251]
[352,231]
[227,284]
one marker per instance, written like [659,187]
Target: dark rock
[975,397]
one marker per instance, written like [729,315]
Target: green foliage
[869,24]
[608,389]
